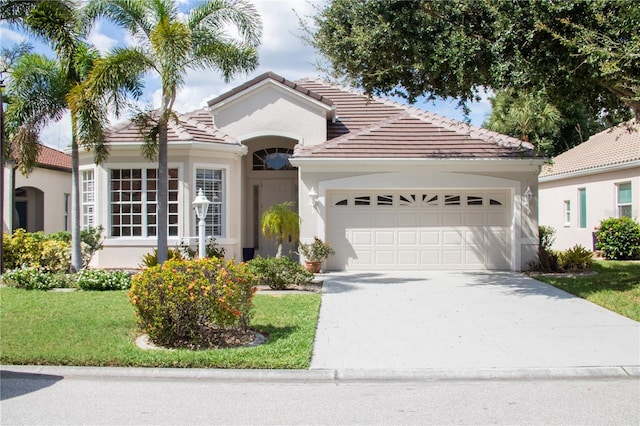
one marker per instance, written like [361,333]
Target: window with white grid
[88,198]
[134,201]
[624,199]
[211,181]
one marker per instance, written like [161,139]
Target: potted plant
[315,253]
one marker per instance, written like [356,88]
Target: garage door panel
[384,220]
[430,238]
[452,218]
[430,219]
[385,238]
[362,238]
[430,257]
[407,219]
[439,230]
[385,258]
[474,256]
[475,237]
[408,238]
[408,257]
[452,257]
[474,219]
[452,238]
[497,219]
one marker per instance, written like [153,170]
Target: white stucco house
[40,201]
[388,186]
[598,179]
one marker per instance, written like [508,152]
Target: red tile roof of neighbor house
[50,158]
[365,127]
[615,146]
[194,126]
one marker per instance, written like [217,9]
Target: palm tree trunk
[76,248]
[162,194]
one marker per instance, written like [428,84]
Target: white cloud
[9,37]
[101,41]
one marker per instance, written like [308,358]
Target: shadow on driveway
[518,284]
[17,383]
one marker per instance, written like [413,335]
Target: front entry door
[270,192]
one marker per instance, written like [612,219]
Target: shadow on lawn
[17,383]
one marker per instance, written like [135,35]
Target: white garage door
[439,229]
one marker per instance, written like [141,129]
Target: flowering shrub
[618,238]
[279,272]
[31,278]
[51,252]
[99,279]
[182,303]
[55,256]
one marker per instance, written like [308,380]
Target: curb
[330,375]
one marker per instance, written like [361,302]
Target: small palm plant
[282,223]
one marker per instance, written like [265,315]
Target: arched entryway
[269,179]
[28,209]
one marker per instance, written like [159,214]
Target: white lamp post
[201,204]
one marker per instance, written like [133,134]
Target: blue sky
[282,51]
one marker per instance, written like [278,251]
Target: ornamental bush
[618,238]
[186,303]
[279,272]
[50,252]
[576,258]
[101,280]
[31,278]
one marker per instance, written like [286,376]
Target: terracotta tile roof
[372,127]
[50,158]
[614,146]
[194,126]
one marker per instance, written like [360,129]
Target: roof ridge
[336,141]
[437,119]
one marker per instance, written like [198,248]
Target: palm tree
[528,116]
[282,223]
[170,45]
[41,90]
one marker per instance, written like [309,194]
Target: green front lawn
[99,328]
[615,286]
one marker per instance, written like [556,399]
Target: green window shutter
[583,207]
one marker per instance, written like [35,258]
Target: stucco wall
[276,111]
[126,252]
[53,184]
[601,193]
[515,178]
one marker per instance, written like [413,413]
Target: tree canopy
[41,89]
[580,52]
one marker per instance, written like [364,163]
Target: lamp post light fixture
[527,197]
[201,204]
[313,197]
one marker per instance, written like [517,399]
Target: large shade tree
[581,52]
[171,43]
[41,90]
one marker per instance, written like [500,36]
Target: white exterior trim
[593,171]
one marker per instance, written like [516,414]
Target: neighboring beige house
[598,179]
[388,186]
[46,189]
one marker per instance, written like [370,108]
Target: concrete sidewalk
[455,321]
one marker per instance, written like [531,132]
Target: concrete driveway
[457,320]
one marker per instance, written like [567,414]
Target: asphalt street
[88,399]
